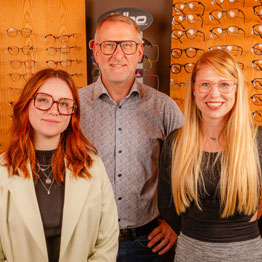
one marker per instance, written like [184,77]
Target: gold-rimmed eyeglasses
[63,63]
[44,102]
[13,32]
[14,50]
[223,86]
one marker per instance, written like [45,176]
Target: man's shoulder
[87,90]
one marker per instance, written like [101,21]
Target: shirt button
[120,129]
[120,198]
[120,151]
[119,219]
[119,175]
[120,107]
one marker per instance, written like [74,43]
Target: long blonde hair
[240,168]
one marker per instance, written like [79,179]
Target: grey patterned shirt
[128,137]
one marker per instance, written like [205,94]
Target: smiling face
[213,105]
[48,125]
[117,68]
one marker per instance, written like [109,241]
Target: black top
[50,205]
[206,225]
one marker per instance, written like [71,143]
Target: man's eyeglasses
[258,11]
[190,18]
[44,102]
[13,32]
[257,83]
[223,86]
[176,68]
[190,52]
[128,47]
[233,31]
[233,49]
[193,6]
[190,34]
[231,13]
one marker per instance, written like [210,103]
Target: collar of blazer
[23,193]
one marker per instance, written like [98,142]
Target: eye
[204,84]
[127,45]
[42,99]
[224,84]
[64,104]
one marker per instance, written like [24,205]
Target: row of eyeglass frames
[188,17]
[27,50]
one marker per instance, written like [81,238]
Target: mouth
[214,104]
[117,65]
[51,121]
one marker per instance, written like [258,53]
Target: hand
[163,233]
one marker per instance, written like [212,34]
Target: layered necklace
[48,180]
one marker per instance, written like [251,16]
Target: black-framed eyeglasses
[233,31]
[190,19]
[190,52]
[257,64]
[128,47]
[44,102]
[256,99]
[231,13]
[140,73]
[190,34]
[234,50]
[13,32]
[258,11]
[257,49]
[257,115]
[193,6]
[220,2]
[176,68]
[257,83]
[146,42]
[257,30]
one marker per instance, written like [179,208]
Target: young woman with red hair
[56,202]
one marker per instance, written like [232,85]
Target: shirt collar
[100,89]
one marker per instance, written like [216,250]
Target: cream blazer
[89,227]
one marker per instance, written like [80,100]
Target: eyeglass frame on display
[184,32]
[253,81]
[213,2]
[227,30]
[11,63]
[187,4]
[180,67]
[211,16]
[230,83]
[30,48]
[185,51]
[61,49]
[19,30]
[176,83]
[56,62]
[174,21]
[67,37]
[224,47]
[20,76]
[256,32]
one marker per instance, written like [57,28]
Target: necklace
[48,190]
[214,139]
[48,179]
[43,167]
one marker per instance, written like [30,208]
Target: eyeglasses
[258,11]
[16,76]
[190,18]
[257,29]
[62,38]
[257,64]
[176,85]
[257,83]
[256,99]
[63,63]
[63,50]
[190,52]
[193,6]
[179,101]
[241,65]
[233,49]
[257,49]
[76,75]
[14,50]
[176,68]
[140,72]
[220,2]
[257,115]
[146,42]
[233,31]
[231,13]
[223,86]
[16,64]
[14,89]
[147,59]
[190,34]
[12,32]
[44,102]
[128,47]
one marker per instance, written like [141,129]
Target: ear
[140,51]
[96,50]
[194,90]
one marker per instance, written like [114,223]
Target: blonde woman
[210,172]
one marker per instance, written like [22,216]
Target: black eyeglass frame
[74,107]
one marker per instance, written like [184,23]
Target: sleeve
[174,118]
[165,199]
[107,240]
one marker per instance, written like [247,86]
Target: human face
[213,105]
[48,125]
[118,67]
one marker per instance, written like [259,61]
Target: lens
[13,50]
[26,32]
[66,106]
[27,50]
[43,101]
[11,32]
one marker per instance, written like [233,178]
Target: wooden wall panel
[43,17]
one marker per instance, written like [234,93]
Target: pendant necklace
[48,190]
[43,167]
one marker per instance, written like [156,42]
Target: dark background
[158,33]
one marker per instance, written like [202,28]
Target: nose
[54,108]
[214,92]
[118,52]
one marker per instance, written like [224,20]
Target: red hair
[73,146]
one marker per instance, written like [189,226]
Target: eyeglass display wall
[37,34]
[233,25]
